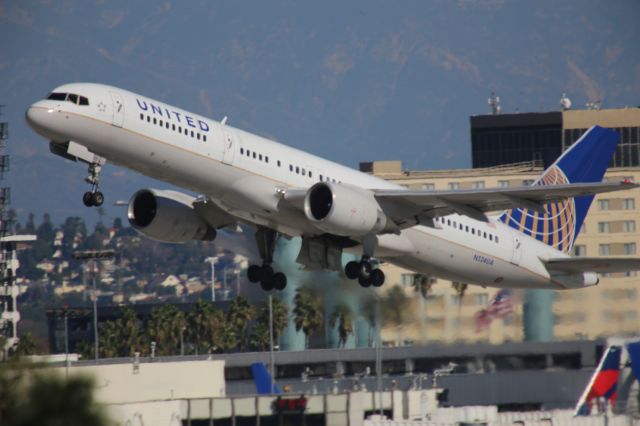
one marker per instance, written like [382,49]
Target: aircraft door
[118,109]
[516,255]
[229,146]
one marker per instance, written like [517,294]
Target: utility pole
[271,358]
[94,255]
[212,261]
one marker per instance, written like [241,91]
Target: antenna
[494,103]
[565,102]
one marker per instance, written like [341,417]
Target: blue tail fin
[263,380]
[634,354]
[585,161]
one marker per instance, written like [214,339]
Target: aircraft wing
[593,264]
[406,205]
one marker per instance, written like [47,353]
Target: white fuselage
[241,171]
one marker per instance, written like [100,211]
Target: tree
[32,397]
[307,312]
[422,284]
[164,327]
[203,326]
[26,345]
[239,315]
[260,331]
[342,318]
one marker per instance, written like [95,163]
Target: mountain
[350,81]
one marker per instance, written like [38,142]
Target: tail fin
[633,349]
[603,383]
[585,161]
[263,380]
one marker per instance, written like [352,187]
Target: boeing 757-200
[502,237]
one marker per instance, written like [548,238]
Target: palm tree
[343,319]
[422,286]
[239,316]
[165,326]
[132,339]
[307,312]
[394,308]
[260,330]
[109,339]
[198,326]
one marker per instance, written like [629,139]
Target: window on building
[428,186]
[527,182]
[629,248]
[477,185]
[579,250]
[453,185]
[503,184]
[604,249]
[603,204]
[629,204]
[629,226]
[481,299]
[604,227]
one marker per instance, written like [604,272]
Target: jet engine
[167,216]
[344,210]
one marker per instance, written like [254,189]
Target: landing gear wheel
[364,281]
[279,281]
[254,273]
[365,270]
[266,273]
[376,277]
[87,199]
[97,198]
[352,270]
[267,285]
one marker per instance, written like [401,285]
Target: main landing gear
[265,275]
[364,272]
[93,197]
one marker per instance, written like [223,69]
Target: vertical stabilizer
[263,379]
[634,355]
[603,383]
[585,161]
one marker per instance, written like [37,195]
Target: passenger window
[266,159]
[278,163]
[179,129]
[148,119]
[242,151]
[254,154]
[496,238]
[73,98]
[141,116]
[166,124]
[161,123]
[198,136]
[192,133]
[448,222]
[490,237]
[304,173]
[466,228]
[155,121]
[484,235]
[473,231]
[260,157]
[310,174]
[173,127]
[290,168]
[320,178]
[204,138]
[297,170]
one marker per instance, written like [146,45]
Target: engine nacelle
[167,216]
[344,210]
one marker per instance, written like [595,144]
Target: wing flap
[593,264]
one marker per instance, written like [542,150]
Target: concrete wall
[152,381]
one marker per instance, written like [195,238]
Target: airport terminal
[436,365]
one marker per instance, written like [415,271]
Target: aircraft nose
[37,116]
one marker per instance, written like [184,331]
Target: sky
[349,81]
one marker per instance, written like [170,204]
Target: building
[541,137]
[531,141]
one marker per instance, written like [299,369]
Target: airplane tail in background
[263,380]
[603,383]
[633,349]
[585,161]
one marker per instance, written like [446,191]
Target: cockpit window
[57,96]
[70,97]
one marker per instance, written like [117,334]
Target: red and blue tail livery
[585,161]
[603,383]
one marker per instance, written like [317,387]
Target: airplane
[245,180]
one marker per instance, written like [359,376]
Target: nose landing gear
[93,197]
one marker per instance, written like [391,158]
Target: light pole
[271,360]
[94,255]
[212,261]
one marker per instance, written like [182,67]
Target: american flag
[500,307]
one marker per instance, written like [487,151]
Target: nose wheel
[93,198]
[364,272]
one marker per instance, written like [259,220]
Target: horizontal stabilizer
[593,264]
